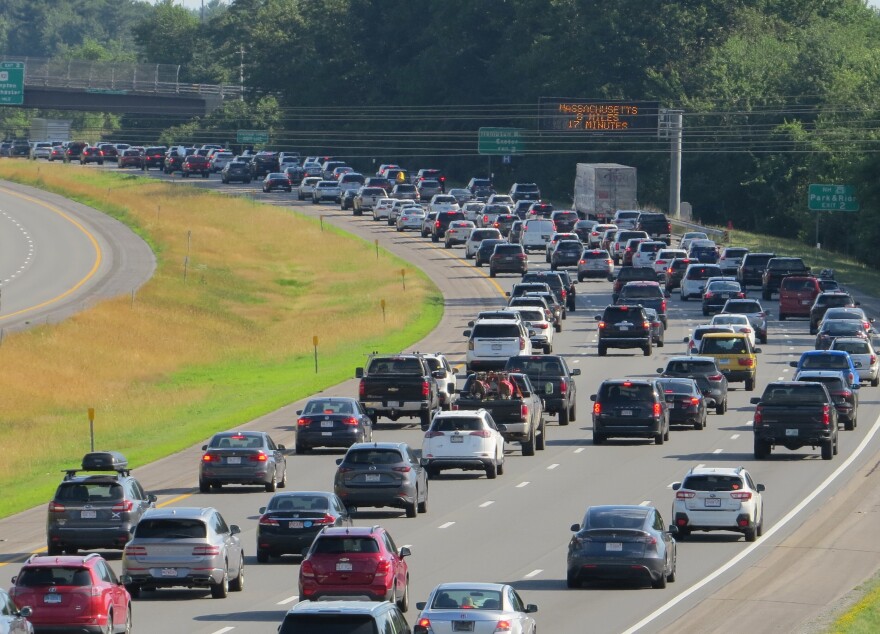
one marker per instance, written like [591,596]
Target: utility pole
[241,73]
[675,135]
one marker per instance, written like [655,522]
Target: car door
[116,590]
[278,456]
[399,563]
[668,543]
[523,620]
[419,470]
[231,544]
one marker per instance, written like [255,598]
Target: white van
[536,233]
[626,218]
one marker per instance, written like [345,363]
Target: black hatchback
[332,422]
[290,522]
[630,408]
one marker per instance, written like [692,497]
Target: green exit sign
[832,198]
[11,83]
[501,141]
[252,136]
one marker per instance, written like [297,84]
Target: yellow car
[734,355]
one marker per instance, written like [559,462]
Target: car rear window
[401,365]
[785,263]
[853,347]
[625,392]
[617,314]
[724,345]
[328,624]
[691,367]
[552,280]
[641,292]
[457,423]
[496,331]
[800,394]
[504,249]
[298,502]
[482,234]
[535,367]
[237,441]
[532,315]
[836,300]
[677,386]
[842,327]
[373,456]
[712,482]
[171,528]
[702,272]
[831,382]
[340,545]
[615,518]
[723,286]
[795,284]
[89,492]
[742,308]
[40,576]
[467,599]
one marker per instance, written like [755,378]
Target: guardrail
[718,234]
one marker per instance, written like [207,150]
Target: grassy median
[864,616]
[185,358]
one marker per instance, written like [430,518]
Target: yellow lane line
[173,500]
[75,223]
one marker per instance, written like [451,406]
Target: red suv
[355,561]
[796,296]
[80,593]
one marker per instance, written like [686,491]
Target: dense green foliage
[777,94]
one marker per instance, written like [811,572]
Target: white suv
[491,342]
[444,376]
[476,236]
[718,499]
[465,439]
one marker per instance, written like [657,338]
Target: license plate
[343,566]
[458,439]
[805,302]
[52,598]
[233,460]
[713,501]
[326,433]
[169,572]
[294,525]
[372,477]
[723,361]
[393,403]
[496,346]
[624,328]
[791,432]
[326,423]
[88,515]
[614,547]
[626,412]
[462,626]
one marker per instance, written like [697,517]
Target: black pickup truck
[777,268]
[553,382]
[399,385]
[795,414]
[522,414]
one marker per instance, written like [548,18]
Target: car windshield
[38,576]
[171,528]
[236,441]
[713,482]
[465,599]
[342,545]
[328,407]
[603,518]
[298,502]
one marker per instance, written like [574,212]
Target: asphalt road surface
[57,257]
[515,529]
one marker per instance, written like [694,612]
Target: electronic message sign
[598,116]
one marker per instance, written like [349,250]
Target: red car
[77,593]
[195,164]
[355,561]
[796,296]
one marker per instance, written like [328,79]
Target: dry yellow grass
[187,357]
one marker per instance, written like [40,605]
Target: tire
[491,273]
[558,327]
[813,330]
[751,534]
[127,629]
[262,556]
[684,297]
[603,351]
[435,238]
[109,628]
[204,487]
[836,444]
[548,349]
[564,417]
[425,420]
[501,468]
[659,584]
[850,425]
[134,590]
[237,584]
[720,409]
[666,435]
[422,507]
[412,510]
[875,382]
[220,590]
[671,576]
[662,342]
[763,339]
[528,447]
[572,582]
[598,439]
[658,439]
[766,296]
[541,440]
[273,483]
[648,350]
[403,604]
[782,316]
[750,385]
[54,551]
[762,449]
[491,471]
[301,449]
[760,528]
[572,412]
[828,450]
[283,483]
[700,425]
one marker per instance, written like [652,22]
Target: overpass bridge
[117,87]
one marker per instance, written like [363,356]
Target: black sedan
[346,201]
[276,180]
[686,403]
[717,293]
[290,522]
[242,457]
[332,422]
[621,542]
[830,330]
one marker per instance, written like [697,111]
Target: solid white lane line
[579,449]
[718,451]
[552,466]
[533,573]
[446,525]
[734,437]
[645,503]
[288,600]
[522,484]
[224,630]
[488,503]
[767,534]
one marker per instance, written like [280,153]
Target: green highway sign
[501,141]
[833,198]
[252,136]
[11,83]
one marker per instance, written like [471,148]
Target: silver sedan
[475,607]
[410,218]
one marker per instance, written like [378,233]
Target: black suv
[438,230]
[752,268]
[630,408]
[96,510]
[236,171]
[481,188]
[525,191]
[656,225]
[646,294]
[705,372]
[624,327]
[777,268]
[154,156]
[560,283]
[264,163]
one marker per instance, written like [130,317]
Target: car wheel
[433,472]
[572,412]
[548,349]
[836,444]
[751,534]
[204,486]
[491,273]
[761,523]
[671,576]
[762,449]
[875,382]
[127,629]
[262,556]
[272,484]
[782,316]
[571,581]
[134,590]
[425,420]
[721,408]
[301,449]
[684,297]
[564,416]
[750,385]
[403,604]
[603,351]
[700,424]
[423,505]
[528,446]
[813,330]
[648,350]
[221,590]
[598,439]
[412,510]
[580,278]
[283,483]
[237,584]
[659,584]
[541,440]
[766,296]
[53,551]
[491,471]
[666,435]
[109,628]
[658,439]
[557,327]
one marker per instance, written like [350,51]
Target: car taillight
[657,409]
[327,519]
[759,415]
[483,433]
[210,457]
[646,325]
[405,469]
[302,422]
[307,569]
[826,415]
[383,566]
[122,507]
[426,389]
[740,295]
[715,377]
[266,520]
[424,624]
[563,386]
[746,330]
[362,389]
[741,495]
[663,306]
[205,551]
[564,293]
[522,343]
[541,326]
[597,408]
[55,507]
[669,270]
[710,295]
[437,224]
[695,401]
[471,344]
[258,457]
[434,434]
[749,362]
[582,261]
[524,411]
[601,324]
[135,551]
[522,256]
[660,262]
[350,420]
[628,249]
[502,626]
[873,359]
[609,261]
[684,495]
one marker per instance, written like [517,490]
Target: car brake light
[327,519]
[426,389]
[758,418]
[715,377]
[266,520]
[684,495]
[826,415]
[657,409]
[55,507]
[710,295]
[502,626]
[258,457]
[405,469]
[437,224]
[745,330]
[741,495]
[205,551]
[135,551]
[873,359]
[210,457]
[695,401]
[122,507]
[383,566]
[350,420]
[646,325]
[424,624]
[483,433]
[434,434]
[523,412]
[302,422]
[749,362]
[597,408]
[582,261]
[522,343]
[307,569]
[563,386]
[362,389]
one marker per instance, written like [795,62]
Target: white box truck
[600,189]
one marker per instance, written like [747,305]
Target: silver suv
[320,617]
[189,547]
[96,510]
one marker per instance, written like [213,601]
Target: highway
[57,257]
[515,528]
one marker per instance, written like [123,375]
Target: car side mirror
[298,412]
[592,397]
[438,374]
[686,339]
[467,333]
[338,461]
[234,529]
[598,317]
[755,400]
[204,447]
[793,364]
[456,370]
[358,373]
[856,386]
[405,552]
[507,293]
[676,486]
[152,498]
[471,324]
[760,488]
[757,350]
[659,370]
[262,510]
[531,608]
[574,528]
[124,580]
[576,372]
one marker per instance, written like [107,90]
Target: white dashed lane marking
[446,525]
[579,449]
[288,600]
[645,503]
[533,573]
[224,630]
[718,451]
[485,504]
[734,437]
[522,484]
[552,466]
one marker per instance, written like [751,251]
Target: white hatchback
[720,498]
[464,439]
[476,236]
